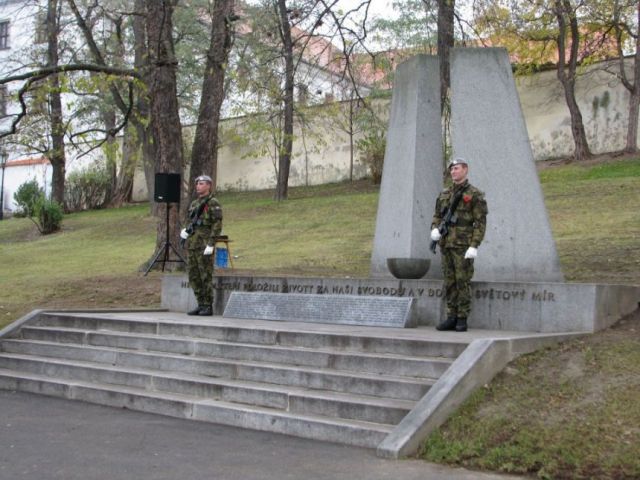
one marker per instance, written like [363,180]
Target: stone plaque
[337,309]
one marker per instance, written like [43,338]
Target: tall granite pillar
[412,174]
[488,130]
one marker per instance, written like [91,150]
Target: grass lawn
[571,411]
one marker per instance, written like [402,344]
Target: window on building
[4,34]
[4,99]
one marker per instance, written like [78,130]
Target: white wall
[603,101]
[16,175]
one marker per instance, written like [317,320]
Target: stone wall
[603,101]
[324,157]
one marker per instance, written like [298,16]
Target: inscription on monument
[337,309]
[371,290]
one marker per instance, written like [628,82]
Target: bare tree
[57,154]
[164,118]
[142,106]
[284,156]
[567,72]
[544,32]
[281,45]
[204,155]
[135,135]
[626,28]
[446,13]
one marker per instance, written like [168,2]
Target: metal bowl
[408,268]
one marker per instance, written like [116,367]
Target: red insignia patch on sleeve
[466,198]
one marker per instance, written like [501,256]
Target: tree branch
[73,67]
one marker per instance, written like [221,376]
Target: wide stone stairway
[342,384]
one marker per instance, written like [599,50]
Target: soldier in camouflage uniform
[205,223]
[459,247]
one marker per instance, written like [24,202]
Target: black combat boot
[205,311]
[195,311]
[461,324]
[448,324]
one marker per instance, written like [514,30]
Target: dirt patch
[595,160]
[133,291]
[104,292]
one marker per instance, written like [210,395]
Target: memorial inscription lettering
[370,290]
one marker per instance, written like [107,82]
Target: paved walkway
[46,438]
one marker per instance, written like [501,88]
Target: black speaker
[167,188]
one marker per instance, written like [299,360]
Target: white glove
[435,235]
[471,253]
[208,250]
[183,234]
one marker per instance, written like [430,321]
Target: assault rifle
[448,219]
[195,216]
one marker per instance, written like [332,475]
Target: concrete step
[291,399]
[388,386]
[374,363]
[337,383]
[284,334]
[350,432]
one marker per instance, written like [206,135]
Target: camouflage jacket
[470,216]
[208,225]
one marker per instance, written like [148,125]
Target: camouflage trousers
[457,281]
[201,276]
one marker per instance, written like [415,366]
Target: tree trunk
[284,155]
[350,131]
[56,154]
[204,155]
[141,123]
[109,118]
[567,75]
[446,9]
[582,151]
[122,180]
[634,91]
[632,127]
[164,117]
[130,156]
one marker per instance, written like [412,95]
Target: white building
[18,27]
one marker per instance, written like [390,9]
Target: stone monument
[488,130]
[517,283]
[412,158]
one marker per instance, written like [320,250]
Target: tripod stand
[165,250]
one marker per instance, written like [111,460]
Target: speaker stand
[165,250]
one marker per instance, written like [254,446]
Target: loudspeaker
[167,188]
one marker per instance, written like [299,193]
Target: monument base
[517,306]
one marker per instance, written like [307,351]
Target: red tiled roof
[28,161]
